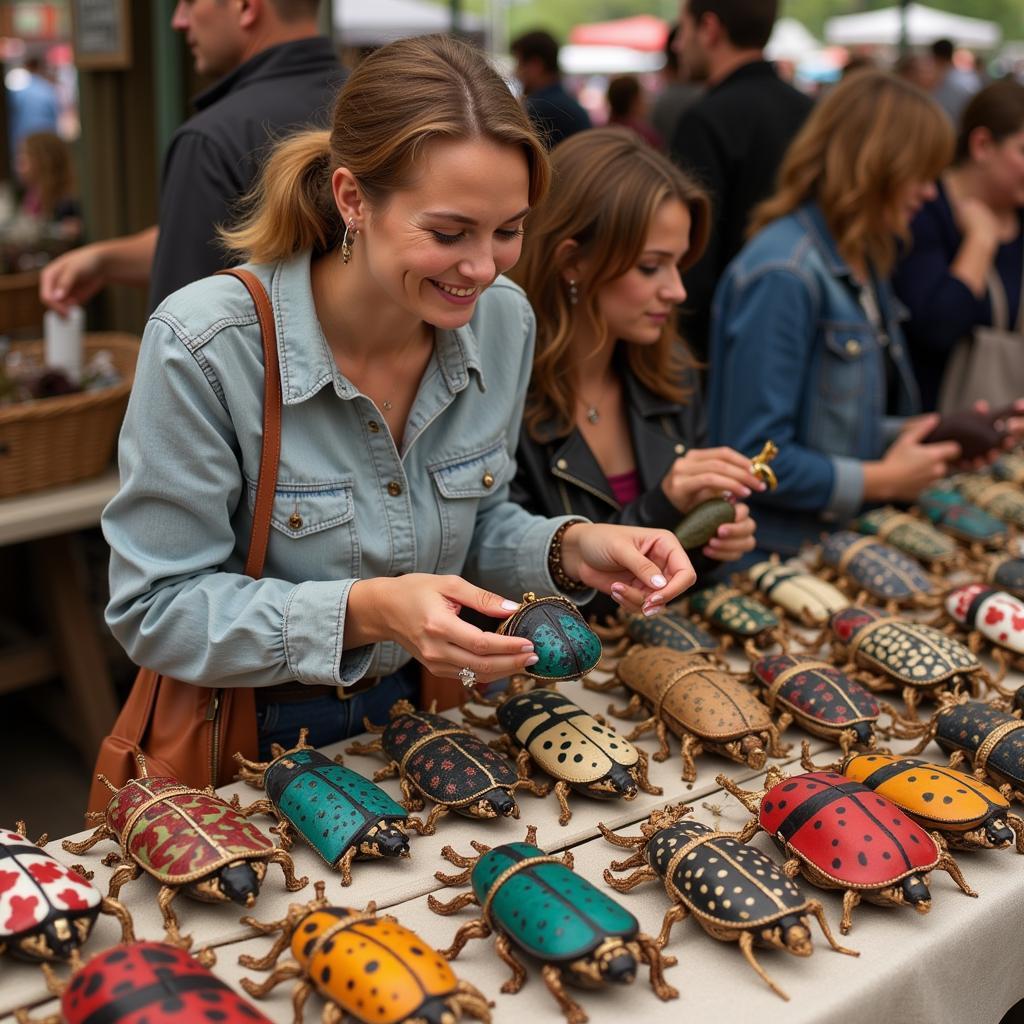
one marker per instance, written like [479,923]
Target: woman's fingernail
[616,596]
[527,648]
[532,660]
[650,610]
[618,588]
[745,492]
[509,606]
[656,599]
[658,581]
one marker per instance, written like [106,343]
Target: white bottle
[62,341]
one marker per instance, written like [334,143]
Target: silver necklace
[591,411]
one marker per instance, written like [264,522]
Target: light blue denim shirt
[349,505]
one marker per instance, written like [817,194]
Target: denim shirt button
[853,346]
[488,479]
[373,426]
[295,521]
[394,488]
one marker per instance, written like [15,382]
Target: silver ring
[468,677]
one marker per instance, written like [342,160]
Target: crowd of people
[516,349]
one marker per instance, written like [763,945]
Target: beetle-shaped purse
[367,968]
[708,709]
[583,754]
[802,595]
[913,536]
[999,498]
[877,570]
[536,904]
[566,647]
[733,891]
[147,981]
[343,816]
[439,760]
[822,821]
[820,698]
[951,513]
[189,840]
[968,814]
[47,910]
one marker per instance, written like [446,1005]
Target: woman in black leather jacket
[614,426]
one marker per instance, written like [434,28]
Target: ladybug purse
[566,647]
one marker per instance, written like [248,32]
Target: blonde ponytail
[290,208]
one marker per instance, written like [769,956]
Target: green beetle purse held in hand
[566,647]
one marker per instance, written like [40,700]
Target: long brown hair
[608,183]
[869,137]
[53,179]
[398,100]
[999,107]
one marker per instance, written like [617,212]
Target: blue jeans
[329,719]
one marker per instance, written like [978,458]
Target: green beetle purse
[565,645]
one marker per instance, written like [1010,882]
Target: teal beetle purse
[566,647]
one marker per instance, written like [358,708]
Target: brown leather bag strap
[266,483]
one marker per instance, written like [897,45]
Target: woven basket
[52,441]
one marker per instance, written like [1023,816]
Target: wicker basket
[54,441]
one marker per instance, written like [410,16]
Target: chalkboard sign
[101,34]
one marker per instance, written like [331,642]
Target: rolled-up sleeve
[173,605]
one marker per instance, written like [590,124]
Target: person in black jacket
[274,74]
[733,138]
[613,428]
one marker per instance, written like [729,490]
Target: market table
[961,962]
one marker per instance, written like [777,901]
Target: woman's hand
[733,540]
[421,613]
[640,568]
[704,473]
[909,465]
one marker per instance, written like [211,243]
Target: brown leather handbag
[186,731]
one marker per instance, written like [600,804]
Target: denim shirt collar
[812,218]
[306,361]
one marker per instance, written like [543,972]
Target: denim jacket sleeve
[175,605]
[763,350]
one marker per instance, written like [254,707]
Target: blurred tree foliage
[558,16]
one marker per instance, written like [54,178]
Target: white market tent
[924,26]
[607,60]
[790,40]
[376,22]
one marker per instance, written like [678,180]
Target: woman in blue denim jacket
[404,362]
[806,344]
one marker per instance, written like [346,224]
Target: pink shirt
[625,486]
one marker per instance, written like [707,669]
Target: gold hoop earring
[346,245]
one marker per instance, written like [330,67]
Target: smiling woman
[381,243]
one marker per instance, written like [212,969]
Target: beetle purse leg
[281,943]
[117,909]
[345,865]
[815,907]
[103,832]
[504,950]
[332,1013]
[676,913]
[478,929]
[950,866]
[291,883]
[1017,824]
[469,1000]
[746,944]
[173,937]
[428,827]
[640,775]
[850,900]
[258,989]
[641,875]
[571,1010]
[691,749]
[411,800]
[562,791]
[631,710]
[127,873]
[776,748]
[454,905]
[651,954]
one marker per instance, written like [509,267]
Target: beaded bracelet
[562,579]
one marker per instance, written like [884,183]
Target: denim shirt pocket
[461,482]
[303,513]
[846,389]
